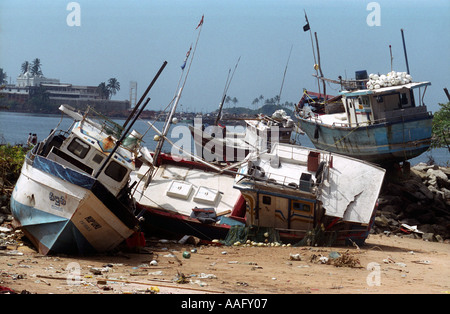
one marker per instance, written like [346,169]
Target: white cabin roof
[383,89]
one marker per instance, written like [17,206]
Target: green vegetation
[3,77]
[35,68]
[441,127]
[107,90]
[11,161]
[269,106]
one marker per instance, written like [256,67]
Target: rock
[443,183]
[415,210]
[295,257]
[381,221]
[427,218]
[437,174]
[428,237]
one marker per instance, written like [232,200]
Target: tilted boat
[186,197]
[381,118]
[72,195]
[177,196]
[216,143]
[297,191]
[60,203]
[381,125]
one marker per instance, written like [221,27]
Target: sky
[130,40]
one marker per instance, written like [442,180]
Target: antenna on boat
[124,134]
[390,51]
[404,49]
[285,70]
[227,85]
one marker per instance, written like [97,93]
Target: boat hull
[65,211]
[379,143]
[174,225]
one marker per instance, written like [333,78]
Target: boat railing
[107,125]
[311,180]
[389,117]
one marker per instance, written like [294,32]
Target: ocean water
[15,127]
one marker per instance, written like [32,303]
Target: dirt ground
[385,265]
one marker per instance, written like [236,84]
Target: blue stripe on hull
[375,143]
[51,233]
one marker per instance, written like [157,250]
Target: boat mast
[227,85]
[404,49]
[320,69]
[177,99]
[284,75]
[306,28]
[124,134]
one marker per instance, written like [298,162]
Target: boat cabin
[85,147]
[385,104]
[294,189]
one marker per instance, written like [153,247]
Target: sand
[385,265]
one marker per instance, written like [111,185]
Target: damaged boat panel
[351,192]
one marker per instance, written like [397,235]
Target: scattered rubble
[416,203]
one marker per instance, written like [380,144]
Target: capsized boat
[216,143]
[73,193]
[382,124]
[297,190]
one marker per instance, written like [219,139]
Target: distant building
[76,96]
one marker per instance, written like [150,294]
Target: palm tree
[113,86]
[3,77]
[36,67]
[25,66]
[103,90]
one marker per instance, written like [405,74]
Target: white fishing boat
[297,190]
[72,195]
[186,197]
[215,142]
[177,197]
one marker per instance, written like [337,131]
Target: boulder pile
[416,203]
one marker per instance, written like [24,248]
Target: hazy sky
[129,40]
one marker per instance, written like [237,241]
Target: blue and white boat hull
[378,143]
[65,211]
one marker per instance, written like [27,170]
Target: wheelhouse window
[78,148]
[267,200]
[116,171]
[301,207]
[98,158]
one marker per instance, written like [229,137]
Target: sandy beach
[385,265]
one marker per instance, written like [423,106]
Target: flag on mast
[201,22]
[185,59]
[306,27]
